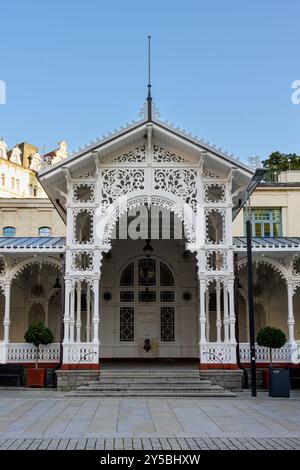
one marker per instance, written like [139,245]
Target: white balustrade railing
[218,353]
[80,353]
[263,354]
[88,353]
[24,352]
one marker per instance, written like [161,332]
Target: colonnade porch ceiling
[147,164]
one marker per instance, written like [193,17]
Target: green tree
[38,334]
[278,161]
[272,338]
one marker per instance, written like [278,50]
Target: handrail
[83,356]
[216,356]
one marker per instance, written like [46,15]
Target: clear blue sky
[75,69]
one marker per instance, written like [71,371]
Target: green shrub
[38,334]
[272,338]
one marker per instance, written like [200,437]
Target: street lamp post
[251,307]
[257,177]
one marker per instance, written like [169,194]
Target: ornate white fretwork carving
[2,266]
[214,193]
[117,182]
[136,155]
[80,279]
[180,182]
[83,221]
[84,193]
[160,155]
[24,263]
[209,174]
[144,111]
[82,260]
[296,267]
[278,268]
[215,226]
[88,174]
[149,201]
[216,260]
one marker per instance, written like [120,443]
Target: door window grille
[126,324]
[167,323]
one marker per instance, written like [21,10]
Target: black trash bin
[279,382]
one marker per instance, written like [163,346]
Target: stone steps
[147,387]
[150,383]
[147,394]
[154,381]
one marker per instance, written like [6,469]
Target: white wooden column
[96,312]
[6,320]
[202,315]
[72,315]
[218,318]
[88,314]
[78,318]
[226,318]
[231,311]
[207,314]
[67,311]
[291,319]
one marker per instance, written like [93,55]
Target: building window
[166,277]
[13,184]
[45,232]
[127,276]
[266,222]
[147,272]
[167,323]
[18,185]
[9,231]
[126,324]
[3,179]
[34,191]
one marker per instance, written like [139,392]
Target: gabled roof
[53,178]
[136,126]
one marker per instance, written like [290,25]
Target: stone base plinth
[70,379]
[229,379]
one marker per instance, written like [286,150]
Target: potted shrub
[278,379]
[37,334]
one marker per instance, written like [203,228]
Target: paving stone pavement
[33,419]
[146,444]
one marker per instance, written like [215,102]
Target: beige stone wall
[27,215]
[286,198]
[25,181]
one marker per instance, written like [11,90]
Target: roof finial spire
[149,97]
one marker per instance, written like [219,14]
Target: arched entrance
[149,297]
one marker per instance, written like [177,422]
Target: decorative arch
[33,260]
[132,260]
[171,204]
[269,261]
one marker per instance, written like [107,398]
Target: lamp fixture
[57,284]
[148,247]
